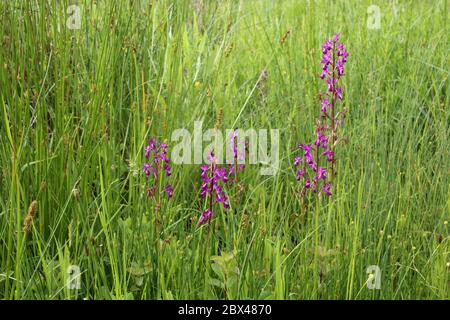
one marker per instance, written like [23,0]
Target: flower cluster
[318,180]
[213,179]
[333,60]
[308,166]
[157,165]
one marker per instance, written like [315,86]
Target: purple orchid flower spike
[214,177]
[309,167]
[206,215]
[157,166]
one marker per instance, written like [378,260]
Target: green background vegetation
[77,108]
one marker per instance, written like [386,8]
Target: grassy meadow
[78,105]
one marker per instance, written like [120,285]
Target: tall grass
[77,108]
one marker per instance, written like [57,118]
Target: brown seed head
[27,222]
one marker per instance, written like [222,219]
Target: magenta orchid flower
[157,161]
[308,166]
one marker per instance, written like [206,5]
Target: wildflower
[157,161]
[331,84]
[306,147]
[308,184]
[329,153]
[324,73]
[297,161]
[169,190]
[333,60]
[325,105]
[326,47]
[321,140]
[338,92]
[150,169]
[321,174]
[300,173]
[326,189]
[312,172]
[214,177]
[206,215]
